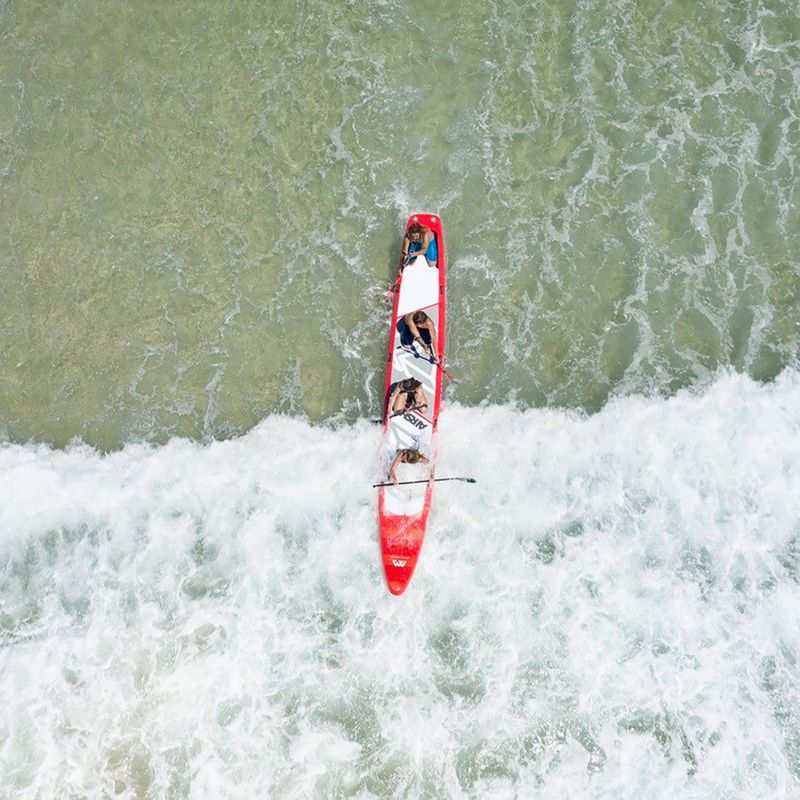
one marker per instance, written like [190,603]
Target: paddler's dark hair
[410,384]
[419,316]
[415,228]
[411,456]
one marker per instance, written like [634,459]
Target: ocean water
[200,209]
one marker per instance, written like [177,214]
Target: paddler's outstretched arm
[397,459]
[426,242]
[432,331]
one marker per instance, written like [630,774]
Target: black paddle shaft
[435,480]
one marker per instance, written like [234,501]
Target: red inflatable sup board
[403,509]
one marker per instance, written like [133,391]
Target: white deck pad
[420,286]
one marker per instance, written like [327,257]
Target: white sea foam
[610,611]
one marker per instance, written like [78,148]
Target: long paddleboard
[403,510]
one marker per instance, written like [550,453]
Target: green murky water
[201,203]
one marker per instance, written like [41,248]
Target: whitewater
[610,611]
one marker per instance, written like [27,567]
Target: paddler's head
[419,317]
[411,456]
[415,231]
[410,384]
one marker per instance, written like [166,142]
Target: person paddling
[419,241]
[408,394]
[418,321]
[407,456]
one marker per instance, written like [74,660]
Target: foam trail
[609,611]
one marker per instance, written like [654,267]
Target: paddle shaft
[441,367]
[435,480]
[438,363]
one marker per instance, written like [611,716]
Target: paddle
[429,358]
[441,366]
[446,372]
[435,480]
[388,295]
